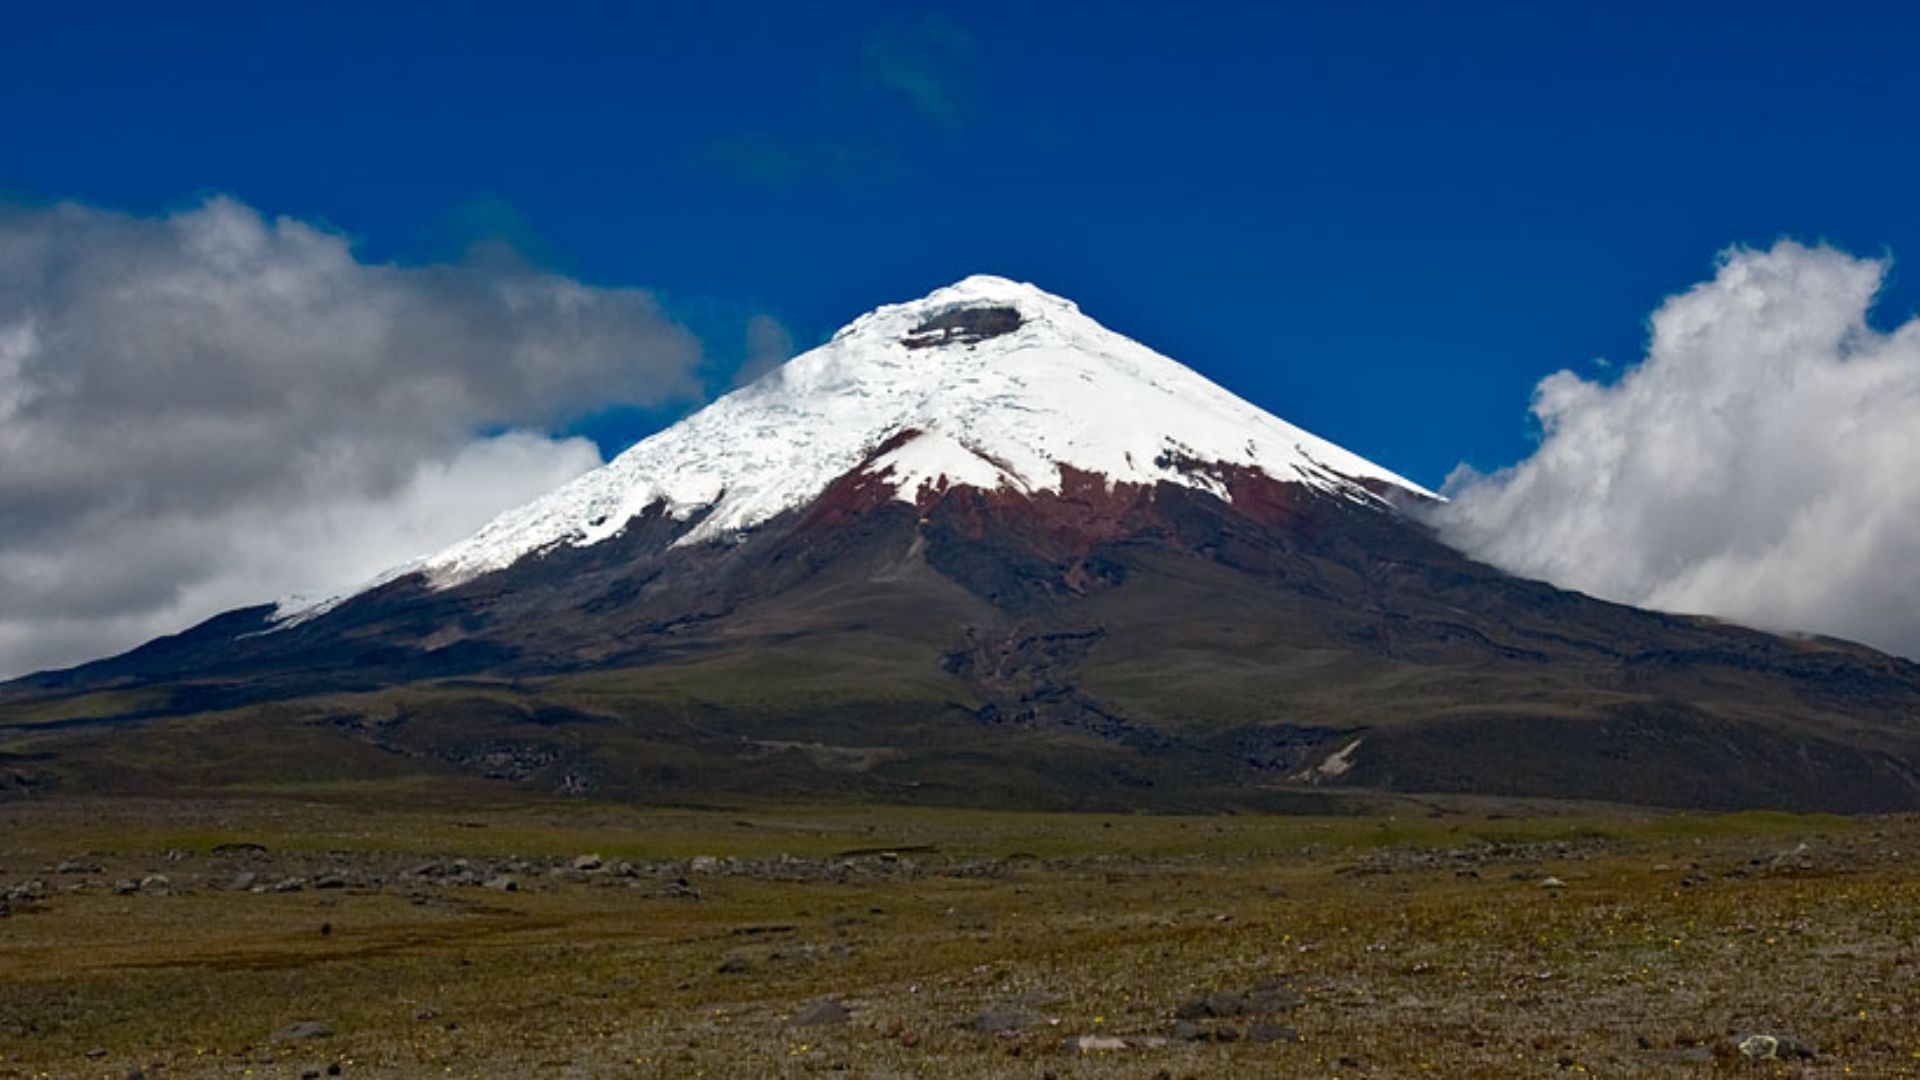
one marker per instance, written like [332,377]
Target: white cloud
[210,409]
[1761,464]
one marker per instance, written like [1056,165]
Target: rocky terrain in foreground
[305,940]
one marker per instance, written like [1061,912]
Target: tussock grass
[1425,945]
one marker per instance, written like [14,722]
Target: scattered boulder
[996,1018]
[1268,997]
[503,883]
[1200,1019]
[1797,859]
[821,1013]
[1095,1044]
[1765,1047]
[302,1031]
[587,864]
[1217,1005]
[333,880]
[244,881]
[1188,1031]
[156,885]
[1272,997]
[1552,883]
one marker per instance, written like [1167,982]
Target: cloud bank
[210,409]
[1761,464]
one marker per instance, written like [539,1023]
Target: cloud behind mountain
[1761,463]
[211,408]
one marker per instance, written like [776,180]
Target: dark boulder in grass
[822,1013]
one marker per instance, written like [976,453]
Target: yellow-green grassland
[410,931]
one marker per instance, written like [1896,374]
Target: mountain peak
[989,289]
[967,312]
[986,383]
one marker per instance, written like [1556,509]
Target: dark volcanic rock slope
[1203,632]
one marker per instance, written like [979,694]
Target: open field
[764,940]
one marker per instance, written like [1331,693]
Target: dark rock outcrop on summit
[963,326]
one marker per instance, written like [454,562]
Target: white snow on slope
[1005,411]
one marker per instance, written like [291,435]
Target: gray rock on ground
[821,1013]
[995,1018]
[1268,1032]
[1774,1047]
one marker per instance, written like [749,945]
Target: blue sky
[1383,222]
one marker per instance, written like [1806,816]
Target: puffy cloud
[211,408]
[1761,464]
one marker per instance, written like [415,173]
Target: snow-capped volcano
[979,550]
[987,383]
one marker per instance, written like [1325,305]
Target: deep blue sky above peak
[1382,222]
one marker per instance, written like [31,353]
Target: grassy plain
[762,940]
